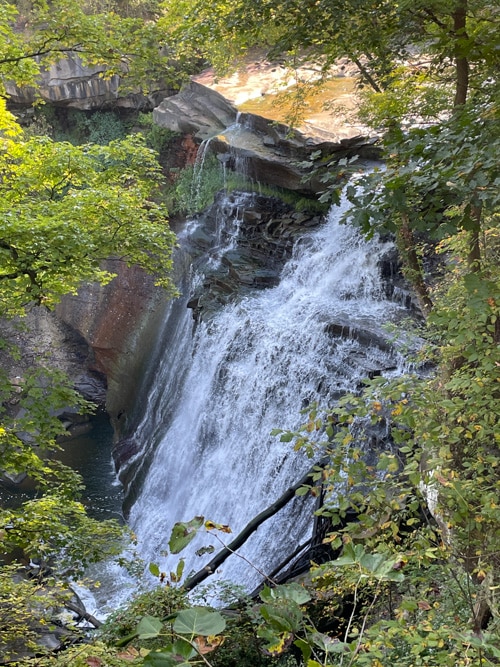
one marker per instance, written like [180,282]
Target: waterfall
[203,150]
[249,369]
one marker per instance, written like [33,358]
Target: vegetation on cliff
[64,208]
[414,580]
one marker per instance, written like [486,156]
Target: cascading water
[251,368]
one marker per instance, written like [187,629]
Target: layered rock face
[265,151]
[267,231]
[69,83]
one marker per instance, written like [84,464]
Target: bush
[161,602]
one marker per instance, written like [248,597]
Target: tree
[48,31]
[64,209]
[428,507]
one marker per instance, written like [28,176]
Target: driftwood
[250,528]
[80,610]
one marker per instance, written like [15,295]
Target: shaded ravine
[219,392]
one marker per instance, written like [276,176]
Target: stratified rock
[262,149]
[267,230]
[69,83]
[196,110]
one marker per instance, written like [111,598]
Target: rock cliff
[264,150]
[69,83]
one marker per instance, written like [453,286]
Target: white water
[252,368]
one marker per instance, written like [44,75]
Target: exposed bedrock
[69,83]
[119,323]
[265,151]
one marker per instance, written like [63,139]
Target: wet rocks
[264,150]
[267,229]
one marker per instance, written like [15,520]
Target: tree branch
[250,528]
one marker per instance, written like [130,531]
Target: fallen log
[250,528]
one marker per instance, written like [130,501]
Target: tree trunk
[366,74]
[461,60]
[412,267]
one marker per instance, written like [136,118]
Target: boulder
[261,149]
[196,110]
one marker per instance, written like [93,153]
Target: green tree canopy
[67,208]
[64,210]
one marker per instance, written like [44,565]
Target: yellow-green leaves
[64,209]
[183,533]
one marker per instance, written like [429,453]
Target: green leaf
[199,621]
[154,569]
[183,533]
[180,569]
[294,592]
[183,649]
[149,627]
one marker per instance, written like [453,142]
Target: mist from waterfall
[249,369]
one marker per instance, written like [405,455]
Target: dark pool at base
[89,455]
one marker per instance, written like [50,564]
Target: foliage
[241,646]
[161,602]
[125,46]
[427,509]
[56,529]
[193,633]
[157,138]
[30,606]
[65,208]
[196,185]
[92,654]
[374,35]
[101,127]
[437,176]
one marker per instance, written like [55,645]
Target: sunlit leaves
[65,208]
[376,565]
[54,527]
[124,46]
[26,606]
[199,621]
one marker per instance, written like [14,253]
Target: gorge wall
[69,83]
